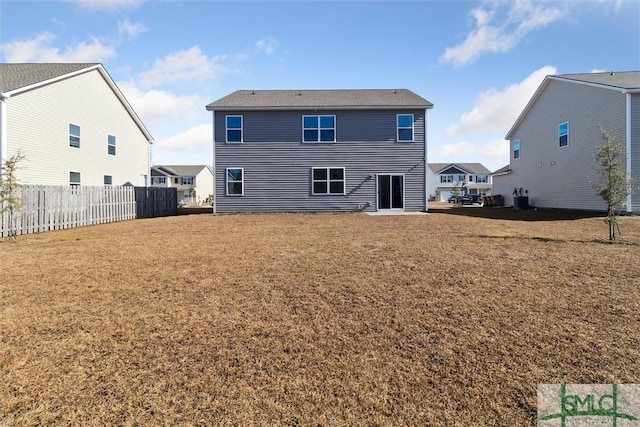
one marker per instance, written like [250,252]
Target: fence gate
[152,202]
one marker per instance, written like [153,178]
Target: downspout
[148,183]
[3,128]
[628,137]
[426,196]
[213,167]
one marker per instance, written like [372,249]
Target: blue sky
[479,62]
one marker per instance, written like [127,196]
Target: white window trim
[105,178]
[226,129]
[513,149]
[79,178]
[227,181]
[329,181]
[75,136]
[109,144]
[319,129]
[398,127]
[559,136]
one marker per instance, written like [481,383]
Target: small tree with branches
[614,185]
[10,203]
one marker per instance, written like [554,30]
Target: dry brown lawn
[314,319]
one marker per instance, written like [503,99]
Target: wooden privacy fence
[152,201]
[48,207]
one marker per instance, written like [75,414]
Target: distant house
[469,178]
[553,142]
[72,124]
[320,150]
[194,183]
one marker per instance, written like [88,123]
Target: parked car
[466,199]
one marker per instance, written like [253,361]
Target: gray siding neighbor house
[319,150]
[553,142]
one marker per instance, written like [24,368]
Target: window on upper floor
[158,179]
[74,136]
[74,178]
[234,129]
[462,178]
[319,128]
[111,145]
[108,180]
[483,179]
[516,149]
[563,134]
[405,127]
[446,178]
[235,181]
[187,180]
[327,181]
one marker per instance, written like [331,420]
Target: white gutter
[3,128]
[426,190]
[628,138]
[213,126]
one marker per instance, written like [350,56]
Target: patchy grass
[313,319]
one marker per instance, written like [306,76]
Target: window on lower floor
[74,178]
[563,134]
[108,180]
[327,181]
[516,149]
[235,181]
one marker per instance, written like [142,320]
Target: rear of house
[320,150]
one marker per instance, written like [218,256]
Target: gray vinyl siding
[635,150]
[561,177]
[277,165]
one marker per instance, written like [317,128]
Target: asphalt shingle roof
[340,98]
[474,168]
[15,76]
[624,80]
[180,170]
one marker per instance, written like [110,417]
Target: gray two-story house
[320,150]
[555,139]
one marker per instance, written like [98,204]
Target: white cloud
[41,49]
[523,17]
[108,5]
[185,65]
[194,139]
[497,110]
[268,45]
[127,29]
[158,106]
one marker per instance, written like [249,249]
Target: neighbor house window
[187,180]
[111,145]
[446,178]
[74,136]
[563,134]
[234,129]
[405,127]
[108,180]
[462,177]
[516,149]
[235,181]
[319,128]
[74,178]
[482,178]
[327,181]
[159,179]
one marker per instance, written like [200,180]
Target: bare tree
[614,185]
[9,184]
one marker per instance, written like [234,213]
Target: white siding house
[72,125]
[194,183]
[554,140]
[470,178]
